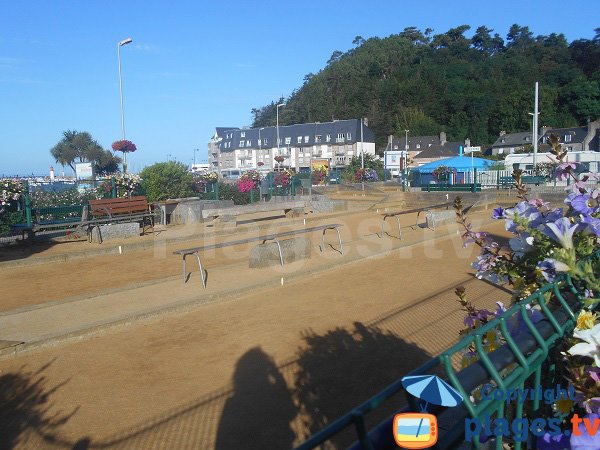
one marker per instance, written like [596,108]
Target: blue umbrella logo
[432,389]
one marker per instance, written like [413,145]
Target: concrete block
[113,231]
[265,255]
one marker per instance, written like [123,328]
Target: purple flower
[477,315]
[594,373]
[582,203]
[551,441]
[539,203]
[561,231]
[498,213]
[564,169]
[549,268]
[583,440]
[589,293]
[579,187]
[592,224]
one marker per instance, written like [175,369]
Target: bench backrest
[116,206]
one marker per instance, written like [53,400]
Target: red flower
[124,146]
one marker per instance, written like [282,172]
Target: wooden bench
[469,187]
[530,179]
[506,182]
[115,210]
[290,208]
[275,237]
[427,210]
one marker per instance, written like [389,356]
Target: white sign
[472,149]
[84,171]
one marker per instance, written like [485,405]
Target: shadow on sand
[26,420]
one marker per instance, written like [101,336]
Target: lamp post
[280,104]
[259,144]
[404,175]
[119,45]
[194,166]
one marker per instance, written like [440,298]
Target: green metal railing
[519,361]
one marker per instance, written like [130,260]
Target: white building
[234,150]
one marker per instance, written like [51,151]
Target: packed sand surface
[292,350]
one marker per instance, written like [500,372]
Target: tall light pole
[119,45]
[404,175]
[195,150]
[259,144]
[535,127]
[280,104]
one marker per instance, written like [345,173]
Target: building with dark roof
[511,142]
[425,149]
[233,150]
[575,139]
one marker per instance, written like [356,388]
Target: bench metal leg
[399,228]
[278,247]
[430,216]
[339,239]
[417,221]
[199,265]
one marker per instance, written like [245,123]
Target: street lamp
[280,104]
[260,155]
[404,175]
[119,45]
[195,150]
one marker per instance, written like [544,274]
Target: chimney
[467,142]
[502,133]
[442,138]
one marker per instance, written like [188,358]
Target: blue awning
[457,163]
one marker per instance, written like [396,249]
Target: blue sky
[196,65]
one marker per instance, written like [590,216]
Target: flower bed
[547,242]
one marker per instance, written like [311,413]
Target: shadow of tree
[343,368]
[259,413]
[25,417]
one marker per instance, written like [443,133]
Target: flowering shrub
[10,191]
[283,178]
[202,179]
[126,184]
[124,146]
[440,173]
[249,180]
[319,176]
[365,174]
[547,241]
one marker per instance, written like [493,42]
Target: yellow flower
[563,406]
[586,320]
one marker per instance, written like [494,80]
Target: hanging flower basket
[124,146]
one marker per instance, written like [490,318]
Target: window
[349,136]
[299,139]
[340,137]
[259,142]
[241,143]
[318,138]
[328,138]
[265,141]
[567,138]
[418,145]
[288,140]
[243,134]
[248,144]
[306,139]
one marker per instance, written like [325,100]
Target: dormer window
[243,134]
[418,145]
[503,140]
[242,143]
[567,138]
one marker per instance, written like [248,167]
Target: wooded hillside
[469,87]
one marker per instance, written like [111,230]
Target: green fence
[522,360]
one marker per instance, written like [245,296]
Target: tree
[358,41]
[78,146]
[165,180]
[335,56]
